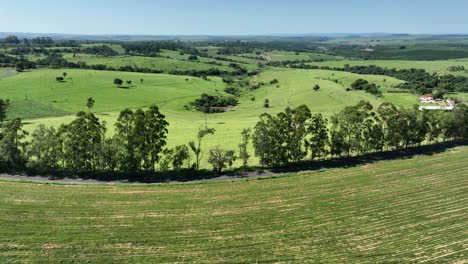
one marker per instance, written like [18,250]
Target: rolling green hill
[440,66]
[171,93]
[154,63]
[398,211]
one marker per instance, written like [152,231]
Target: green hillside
[171,93]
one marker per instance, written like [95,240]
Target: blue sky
[239,17]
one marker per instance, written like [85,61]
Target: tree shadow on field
[189,175]
[349,162]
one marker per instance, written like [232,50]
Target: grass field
[248,64]
[40,86]
[439,66]
[395,211]
[171,93]
[154,63]
[396,52]
[292,56]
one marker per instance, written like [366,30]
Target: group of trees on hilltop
[295,134]
[100,50]
[150,48]
[364,85]
[12,39]
[242,47]
[209,103]
[19,63]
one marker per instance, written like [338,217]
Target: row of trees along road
[139,144]
[295,134]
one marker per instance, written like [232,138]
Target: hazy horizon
[239,18]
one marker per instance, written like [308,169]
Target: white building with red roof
[427,98]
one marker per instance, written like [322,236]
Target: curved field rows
[408,210]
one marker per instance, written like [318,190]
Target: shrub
[206,102]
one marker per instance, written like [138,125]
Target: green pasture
[439,66]
[116,47]
[154,63]
[395,211]
[249,65]
[53,101]
[292,56]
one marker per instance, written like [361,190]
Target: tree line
[295,134]
[415,79]
[139,144]
[150,48]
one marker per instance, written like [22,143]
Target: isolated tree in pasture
[4,105]
[64,74]
[12,145]
[266,103]
[19,67]
[90,103]
[45,148]
[141,80]
[318,139]
[316,87]
[129,83]
[243,147]
[118,82]
[196,147]
[220,158]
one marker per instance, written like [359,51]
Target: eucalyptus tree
[45,148]
[267,141]
[318,136]
[127,153]
[12,144]
[293,130]
[243,147]
[81,141]
[155,135]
